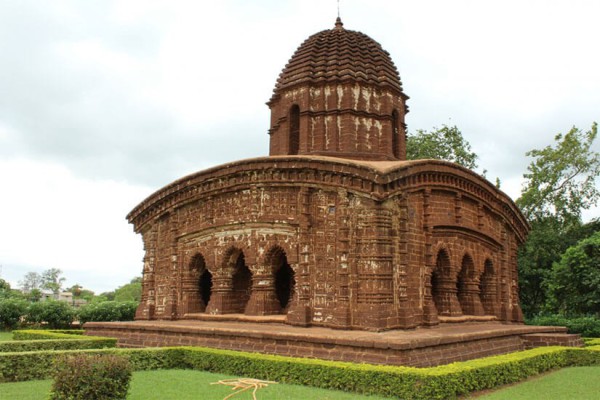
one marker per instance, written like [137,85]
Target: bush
[446,381]
[42,334]
[11,311]
[26,366]
[91,377]
[585,326]
[57,314]
[108,311]
[88,342]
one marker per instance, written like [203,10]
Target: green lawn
[576,383]
[184,385]
[5,335]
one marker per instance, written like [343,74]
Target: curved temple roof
[339,54]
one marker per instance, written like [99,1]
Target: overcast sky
[104,102]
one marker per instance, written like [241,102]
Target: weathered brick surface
[335,228]
[421,347]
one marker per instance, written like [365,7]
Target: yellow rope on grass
[243,384]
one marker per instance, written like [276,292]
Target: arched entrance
[284,280]
[241,283]
[196,286]
[205,284]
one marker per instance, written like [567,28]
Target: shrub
[585,326]
[88,342]
[11,311]
[57,314]
[42,334]
[91,377]
[25,366]
[108,311]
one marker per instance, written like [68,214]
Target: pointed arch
[284,276]
[197,285]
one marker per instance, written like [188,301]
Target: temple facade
[335,227]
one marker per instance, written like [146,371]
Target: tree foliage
[446,143]
[57,314]
[52,280]
[561,180]
[130,292]
[559,184]
[31,281]
[575,285]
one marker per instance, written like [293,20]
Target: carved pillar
[430,315]
[489,290]
[191,301]
[505,279]
[430,311]
[263,299]
[469,297]
[445,296]
[222,293]
[146,309]
[400,227]
[299,312]
[341,315]
[375,295]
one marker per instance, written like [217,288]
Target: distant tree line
[24,307]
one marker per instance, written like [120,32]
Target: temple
[335,228]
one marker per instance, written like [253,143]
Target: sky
[104,102]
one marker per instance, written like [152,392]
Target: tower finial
[338,22]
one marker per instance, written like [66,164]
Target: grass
[576,383]
[5,336]
[184,385]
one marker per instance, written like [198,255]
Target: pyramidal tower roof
[340,55]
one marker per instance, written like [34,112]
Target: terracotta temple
[335,228]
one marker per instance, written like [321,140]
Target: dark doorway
[241,284]
[284,283]
[205,286]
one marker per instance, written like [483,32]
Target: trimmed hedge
[585,326]
[90,342]
[108,311]
[39,334]
[26,366]
[447,381]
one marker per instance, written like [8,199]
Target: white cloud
[103,102]
[52,219]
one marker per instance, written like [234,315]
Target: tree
[52,280]
[575,285]
[559,183]
[445,143]
[31,281]
[561,180]
[130,292]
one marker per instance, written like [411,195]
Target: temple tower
[340,95]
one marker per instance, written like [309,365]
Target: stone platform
[421,347]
